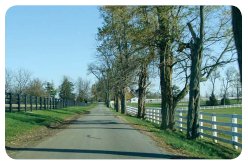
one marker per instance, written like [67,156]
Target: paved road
[97,135]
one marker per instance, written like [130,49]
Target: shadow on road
[98,122]
[100,128]
[122,153]
[99,114]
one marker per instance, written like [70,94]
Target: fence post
[181,120]
[19,102]
[40,103]
[44,102]
[201,124]
[154,116]
[31,103]
[147,114]
[36,102]
[47,100]
[158,117]
[25,100]
[56,103]
[10,102]
[53,100]
[47,104]
[214,126]
[151,115]
[234,130]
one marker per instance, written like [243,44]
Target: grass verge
[23,127]
[176,142]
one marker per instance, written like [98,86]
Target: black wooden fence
[23,102]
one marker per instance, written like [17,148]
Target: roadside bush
[212,101]
[225,101]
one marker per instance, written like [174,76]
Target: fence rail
[23,102]
[207,128]
[215,107]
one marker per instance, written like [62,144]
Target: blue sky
[52,41]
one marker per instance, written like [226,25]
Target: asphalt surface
[97,135]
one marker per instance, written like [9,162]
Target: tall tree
[213,77]
[227,82]
[116,32]
[237,31]
[199,44]
[144,52]
[168,33]
[83,90]
[50,89]
[237,86]
[66,89]
[21,78]
[36,88]
[142,87]
[196,47]
[9,76]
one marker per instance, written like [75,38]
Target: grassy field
[147,105]
[237,110]
[181,104]
[18,124]
[177,141]
[230,111]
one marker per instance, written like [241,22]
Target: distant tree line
[21,82]
[230,86]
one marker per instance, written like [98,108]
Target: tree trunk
[123,101]
[117,103]
[107,101]
[142,91]
[194,93]
[168,87]
[237,31]
[180,96]
[194,97]
[108,94]
[141,105]
[162,50]
[164,110]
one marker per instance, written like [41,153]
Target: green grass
[230,111]
[236,110]
[198,148]
[21,123]
[147,105]
[181,104]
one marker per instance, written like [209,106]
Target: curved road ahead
[97,135]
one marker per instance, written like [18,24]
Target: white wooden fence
[210,125]
[215,107]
